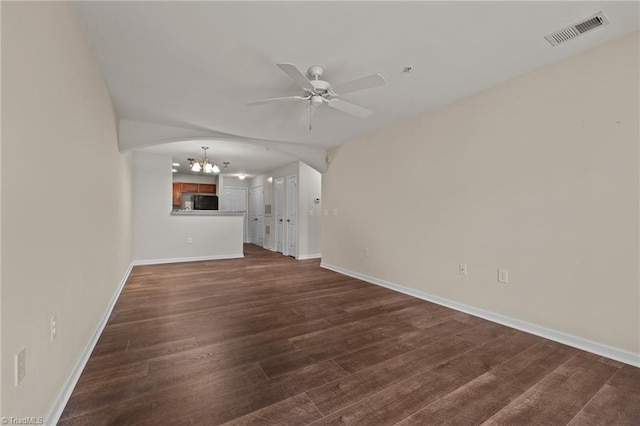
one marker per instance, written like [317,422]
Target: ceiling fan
[317,92]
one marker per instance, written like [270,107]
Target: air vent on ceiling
[566,34]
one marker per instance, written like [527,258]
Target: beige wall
[66,190]
[1,357]
[538,175]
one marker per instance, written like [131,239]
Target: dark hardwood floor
[271,340]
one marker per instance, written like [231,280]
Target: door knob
[288,220]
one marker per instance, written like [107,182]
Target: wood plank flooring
[271,340]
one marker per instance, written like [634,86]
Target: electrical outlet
[54,327]
[365,252]
[310,212]
[462,269]
[189,240]
[503,276]
[20,365]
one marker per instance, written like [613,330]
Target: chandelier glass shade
[203,164]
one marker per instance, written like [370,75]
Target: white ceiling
[247,159]
[180,70]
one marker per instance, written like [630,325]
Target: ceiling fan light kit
[317,92]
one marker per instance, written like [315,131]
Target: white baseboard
[56,411]
[309,256]
[601,349]
[186,259]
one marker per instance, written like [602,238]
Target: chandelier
[203,165]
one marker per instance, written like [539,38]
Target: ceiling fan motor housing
[320,86]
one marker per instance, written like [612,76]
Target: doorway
[278,195]
[256,207]
[292,216]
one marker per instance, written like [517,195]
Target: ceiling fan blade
[294,74]
[349,108]
[286,98]
[373,80]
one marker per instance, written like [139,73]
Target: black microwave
[204,202]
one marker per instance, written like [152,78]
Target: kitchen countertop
[207,213]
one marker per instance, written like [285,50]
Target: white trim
[56,411]
[287,218]
[260,211]
[186,259]
[275,217]
[617,354]
[309,256]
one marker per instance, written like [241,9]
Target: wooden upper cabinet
[177,193]
[209,188]
[180,187]
[189,187]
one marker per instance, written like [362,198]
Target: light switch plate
[20,365]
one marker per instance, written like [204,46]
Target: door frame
[297,214]
[261,210]
[275,221]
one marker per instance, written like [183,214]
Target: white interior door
[292,216]
[256,207]
[235,199]
[278,195]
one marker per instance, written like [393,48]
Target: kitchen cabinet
[207,188]
[177,193]
[201,188]
[189,187]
